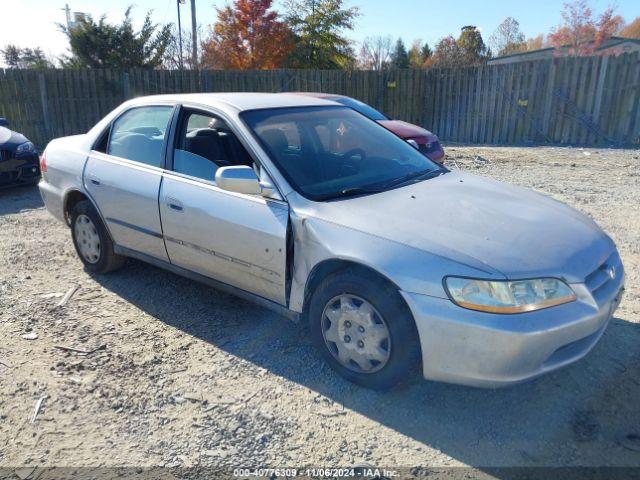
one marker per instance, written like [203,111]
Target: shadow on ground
[17,199]
[576,416]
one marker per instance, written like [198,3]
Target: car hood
[11,139]
[407,130]
[486,224]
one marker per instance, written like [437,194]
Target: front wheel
[92,241]
[364,330]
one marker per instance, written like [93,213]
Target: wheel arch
[71,198]
[329,266]
[74,196]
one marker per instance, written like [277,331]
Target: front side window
[329,152]
[204,144]
[139,134]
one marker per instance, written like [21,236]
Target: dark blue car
[18,158]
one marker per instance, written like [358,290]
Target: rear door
[124,178]
[234,238]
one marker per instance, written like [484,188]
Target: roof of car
[240,101]
[319,95]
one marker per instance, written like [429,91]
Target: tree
[416,59]
[376,53]
[248,35]
[631,30]
[582,33]
[426,52]
[419,54]
[172,59]
[103,45]
[473,51]
[468,50]
[16,57]
[400,57]
[446,54]
[12,56]
[507,38]
[318,27]
[535,43]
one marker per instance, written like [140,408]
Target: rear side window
[139,134]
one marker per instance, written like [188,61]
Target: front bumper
[16,171]
[488,350]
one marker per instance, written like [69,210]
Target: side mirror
[239,179]
[413,143]
[4,122]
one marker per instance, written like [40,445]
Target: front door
[124,179]
[234,238]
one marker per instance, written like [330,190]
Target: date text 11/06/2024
[316,473]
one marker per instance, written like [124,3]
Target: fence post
[284,80]
[126,87]
[205,80]
[548,99]
[599,89]
[44,100]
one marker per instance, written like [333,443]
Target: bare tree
[507,38]
[375,53]
[171,59]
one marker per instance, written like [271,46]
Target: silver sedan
[307,207]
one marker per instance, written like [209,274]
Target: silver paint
[455,224]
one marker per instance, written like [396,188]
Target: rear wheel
[92,241]
[364,330]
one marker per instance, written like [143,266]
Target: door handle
[94,180]
[174,204]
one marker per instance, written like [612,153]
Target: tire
[100,258]
[401,346]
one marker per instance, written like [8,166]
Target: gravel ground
[179,374]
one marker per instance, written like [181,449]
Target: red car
[428,143]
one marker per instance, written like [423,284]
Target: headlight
[514,296]
[26,147]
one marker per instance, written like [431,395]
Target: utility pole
[67,12]
[178,2]
[312,53]
[194,36]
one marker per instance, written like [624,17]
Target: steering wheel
[349,166]
[353,152]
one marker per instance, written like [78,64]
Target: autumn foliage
[631,30]
[247,36]
[582,33]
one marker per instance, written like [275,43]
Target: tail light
[43,162]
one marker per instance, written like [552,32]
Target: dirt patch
[142,367]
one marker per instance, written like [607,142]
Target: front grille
[29,172]
[8,177]
[5,155]
[609,270]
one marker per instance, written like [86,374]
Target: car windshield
[331,152]
[362,108]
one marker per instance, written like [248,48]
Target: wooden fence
[569,101]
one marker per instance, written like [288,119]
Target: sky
[32,23]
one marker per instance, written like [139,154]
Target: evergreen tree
[400,57]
